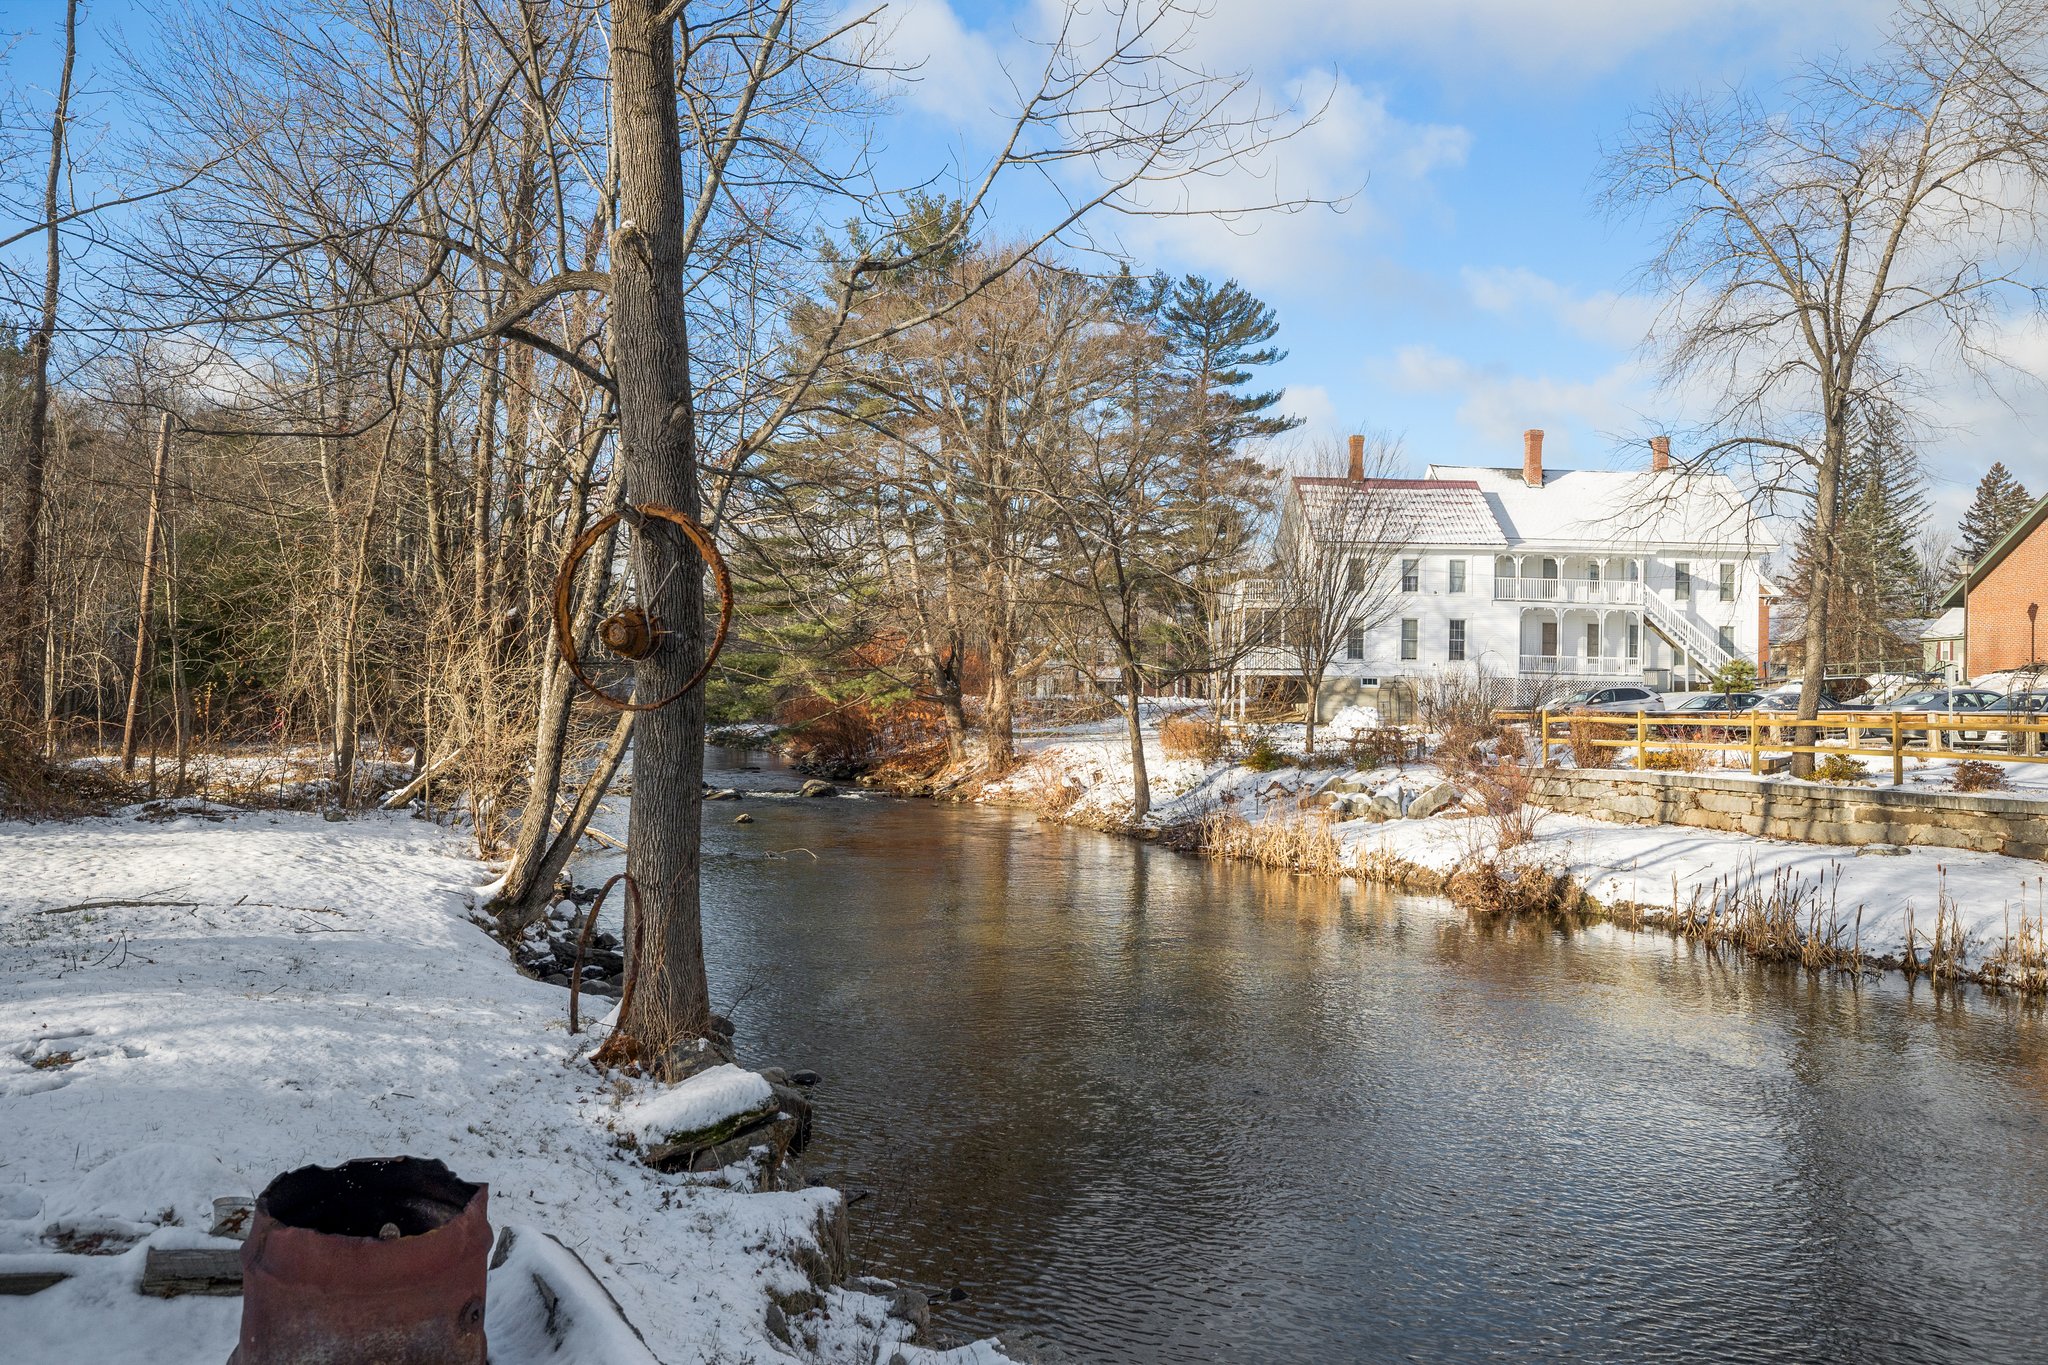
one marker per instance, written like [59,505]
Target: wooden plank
[16,1283]
[168,1274]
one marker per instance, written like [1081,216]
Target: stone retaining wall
[1818,814]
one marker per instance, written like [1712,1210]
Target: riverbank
[190,1005]
[1948,912]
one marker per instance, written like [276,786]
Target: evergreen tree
[2000,503]
[1874,571]
[1219,334]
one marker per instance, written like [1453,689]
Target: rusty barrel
[373,1262]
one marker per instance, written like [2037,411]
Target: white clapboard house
[1560,578]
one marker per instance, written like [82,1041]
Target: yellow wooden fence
[1901,735]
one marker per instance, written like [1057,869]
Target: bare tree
[20,588]
[1337,558]
[1824,256]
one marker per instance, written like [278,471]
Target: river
[1137,1107]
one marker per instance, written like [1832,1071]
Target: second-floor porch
[1588,580]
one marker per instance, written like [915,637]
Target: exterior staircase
[1681,632]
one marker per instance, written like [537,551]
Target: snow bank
[707,1098]
[1874,893]
[293,991]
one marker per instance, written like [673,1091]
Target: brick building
[2003,597]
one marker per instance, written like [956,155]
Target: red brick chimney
[1660,454]
[1358,459]
[1532,457]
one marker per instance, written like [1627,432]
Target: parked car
[2028,706]
[1944,699]
[1716,704]
[1701,706]
[1786,700]
[1939,700]
[1624,697]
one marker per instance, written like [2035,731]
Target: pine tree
[2000,502]
[1219,334]
[1874,565]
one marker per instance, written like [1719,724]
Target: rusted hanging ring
[565,581]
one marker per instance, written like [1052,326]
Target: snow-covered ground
[1084,774]
[296,991]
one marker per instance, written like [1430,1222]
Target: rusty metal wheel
[643,630]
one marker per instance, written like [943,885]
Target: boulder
[743,819]
[817,786]
[1436,798]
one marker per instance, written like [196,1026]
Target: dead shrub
[1193,734]
[846,738]
[1461,751]
[1585,742]
[1975,775]
[1503,788]
[1465,699]
[1381,746]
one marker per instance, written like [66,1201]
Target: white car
[1620,697]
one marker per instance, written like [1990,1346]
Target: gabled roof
[1413,511]
[1617,507]
[1947,626]
[2007,543]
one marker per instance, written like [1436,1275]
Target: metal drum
[380,1261]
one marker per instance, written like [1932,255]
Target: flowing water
[1138,1107]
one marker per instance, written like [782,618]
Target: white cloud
[1551,44]
[1604,316]
[1588,421]
[958,73]
[1358,169]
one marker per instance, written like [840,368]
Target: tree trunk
[1813,666]
[1313,686]
[551,736]
[146,603]
[1134,729]
[657,463]
[534,898]
[18,594]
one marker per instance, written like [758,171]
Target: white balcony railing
[1569,591]
[1580,666]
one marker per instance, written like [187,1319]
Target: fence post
[1756,754]
[1543,737]
[1898,755]
[1642,739]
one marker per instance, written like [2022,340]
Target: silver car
[1626,697]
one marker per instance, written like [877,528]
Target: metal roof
[1411,511]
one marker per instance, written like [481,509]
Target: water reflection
[1151,1109]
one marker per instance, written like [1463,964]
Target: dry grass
[1298,841]
[2021,962]
[1670,761]
[1193,734]
[1490,889]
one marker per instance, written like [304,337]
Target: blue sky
[1471,289]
